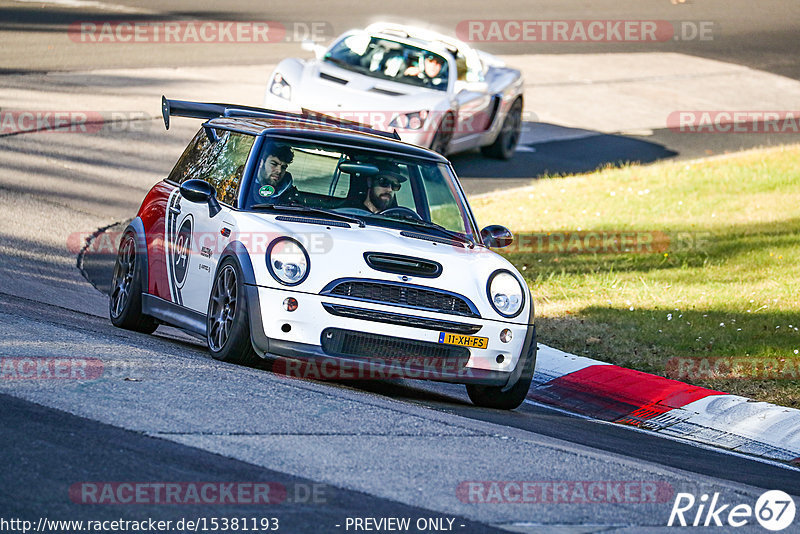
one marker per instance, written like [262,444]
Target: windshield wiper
[442,229]
[316,211]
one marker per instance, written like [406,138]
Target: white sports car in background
[435,91]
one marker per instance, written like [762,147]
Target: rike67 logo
[774,510]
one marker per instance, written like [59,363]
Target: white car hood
[360,93]
[336,253]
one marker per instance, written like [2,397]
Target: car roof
[322,132]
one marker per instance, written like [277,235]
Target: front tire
[125,298]
[228,321]
[508,138]
[444,134]
[495,397]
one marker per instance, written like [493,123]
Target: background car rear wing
[203,110]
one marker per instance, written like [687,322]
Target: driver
[381,189]
[432,67]
[273,183]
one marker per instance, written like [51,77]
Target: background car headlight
[280,87]
[412,121]
[287,261]
[505,293]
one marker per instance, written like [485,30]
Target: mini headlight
[280,87]
[505,293]
[287,261]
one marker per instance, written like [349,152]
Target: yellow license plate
[464,341]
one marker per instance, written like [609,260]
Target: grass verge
[683,269]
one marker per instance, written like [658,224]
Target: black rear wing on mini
[203,110]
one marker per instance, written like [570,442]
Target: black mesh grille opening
[348,343]
[404,320]
[400,295]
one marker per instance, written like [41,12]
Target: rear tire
[125,298]
[228,321]
[508,138]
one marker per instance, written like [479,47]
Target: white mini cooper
[298,239]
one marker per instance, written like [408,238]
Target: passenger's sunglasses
[386,182]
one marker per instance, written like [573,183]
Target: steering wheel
[400,212]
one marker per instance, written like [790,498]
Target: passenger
[273,183]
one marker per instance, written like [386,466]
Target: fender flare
[137,227]
[238,251]
[527,360]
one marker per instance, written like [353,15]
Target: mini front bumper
[297,335]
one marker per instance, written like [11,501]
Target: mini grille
[403,295]
[403,320]
[348,343]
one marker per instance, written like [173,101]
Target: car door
[476,106]
[194,240]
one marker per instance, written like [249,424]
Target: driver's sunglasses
[386,182]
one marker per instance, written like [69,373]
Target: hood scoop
[386,92]
[333,79]
[397,264]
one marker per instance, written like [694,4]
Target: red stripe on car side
[153,214]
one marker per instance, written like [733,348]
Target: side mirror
[496,236]
[201,192]
[310,46]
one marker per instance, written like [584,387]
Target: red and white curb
[610,393]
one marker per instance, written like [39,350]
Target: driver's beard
[379,202]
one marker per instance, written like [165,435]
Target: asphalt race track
[164,412]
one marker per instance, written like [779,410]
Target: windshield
[400,192]
[389,60]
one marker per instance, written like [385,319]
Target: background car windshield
[389,60]
[378,188]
